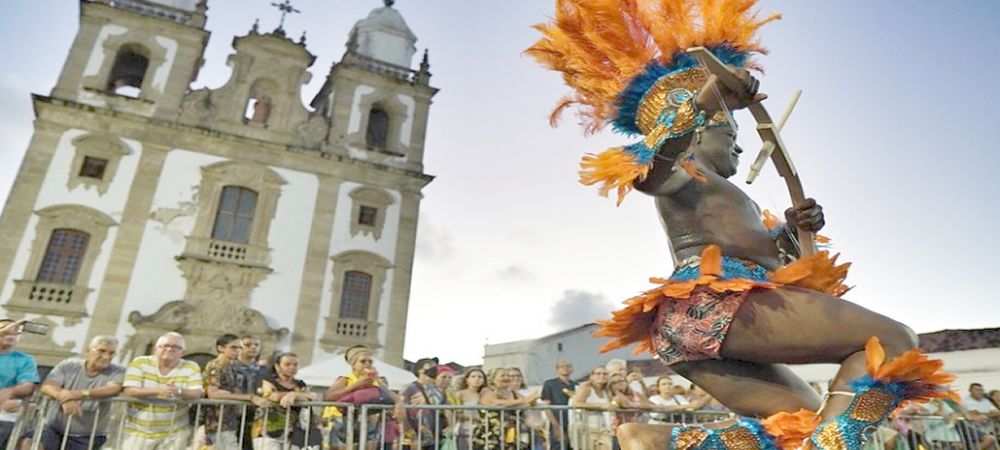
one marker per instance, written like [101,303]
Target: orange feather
[791,429]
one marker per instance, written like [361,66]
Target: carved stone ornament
[312,131]
[200,325]
[197,107]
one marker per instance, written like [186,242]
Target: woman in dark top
[280,386]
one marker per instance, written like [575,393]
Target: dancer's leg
[749,389]
[786,325]
[800,326]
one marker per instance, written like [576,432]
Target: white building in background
[142,206]
[537,357]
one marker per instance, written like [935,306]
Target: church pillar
[24,193]
[111,296]
[402,273]
[315,271]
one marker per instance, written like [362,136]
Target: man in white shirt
[981,413]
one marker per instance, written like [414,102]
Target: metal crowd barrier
[520,428]
[33,419]
[448,427]
[927,432]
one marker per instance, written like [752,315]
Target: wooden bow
[769,133]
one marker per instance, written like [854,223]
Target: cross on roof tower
[286,8]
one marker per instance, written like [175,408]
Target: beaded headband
[626,62]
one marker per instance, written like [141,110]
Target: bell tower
[377,103]
[135,56]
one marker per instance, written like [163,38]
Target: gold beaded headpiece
[626,62]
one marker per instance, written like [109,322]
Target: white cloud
[576,308]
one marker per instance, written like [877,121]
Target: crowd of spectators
[261,405]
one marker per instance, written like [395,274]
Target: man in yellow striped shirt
[159,422]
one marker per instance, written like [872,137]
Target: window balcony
[49,298]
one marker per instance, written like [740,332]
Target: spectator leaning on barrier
[224,381]
[425,423]
[470,386]
[74,385]
[981,413]
[594,398]
[496,429]
[249,365]
[288,419]
[361,386]
[558,391]
[667,402]
[164,375]
[18,375]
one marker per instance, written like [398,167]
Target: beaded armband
[852,428]
[746,434]
[911,376]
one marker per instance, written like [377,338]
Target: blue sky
[895,135]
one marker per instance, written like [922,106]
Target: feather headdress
[626,63]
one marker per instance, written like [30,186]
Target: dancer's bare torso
[712,211]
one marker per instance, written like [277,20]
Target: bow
[769,134]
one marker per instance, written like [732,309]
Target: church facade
[143,206]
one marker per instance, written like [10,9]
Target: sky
[895,135]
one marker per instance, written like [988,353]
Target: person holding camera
[18,375]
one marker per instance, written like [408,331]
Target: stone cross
[286,8]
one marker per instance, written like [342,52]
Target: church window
[359,278]
[128,72]
[63,256]
[234,217]
[378,129]
[93,167]
[355,296]
[367,215]
[258,110]
[369,206]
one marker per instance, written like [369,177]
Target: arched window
[354,299]
[63,256]
[128,72]
[260,101]
[378,128]
[234,218]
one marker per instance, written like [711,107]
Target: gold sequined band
[675,95]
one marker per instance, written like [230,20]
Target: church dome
[388,18]
[384,35]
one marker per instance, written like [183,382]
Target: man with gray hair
[164,375]
[73,388]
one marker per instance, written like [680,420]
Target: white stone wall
[163,71]
[341,241]
[54,191]
[354,125]
[289,242]
[157,278]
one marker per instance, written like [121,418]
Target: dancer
[740,303]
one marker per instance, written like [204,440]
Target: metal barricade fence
[473,427]
[928,432]
[339,426]
[188,421]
